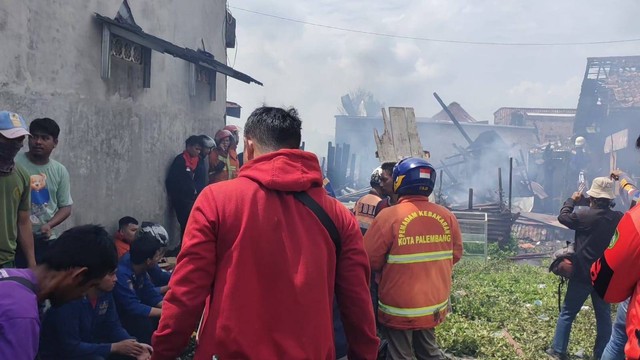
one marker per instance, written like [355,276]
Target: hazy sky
[311,67]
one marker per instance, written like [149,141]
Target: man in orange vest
[222,164]
[365,207]
[233,148]
[414,244]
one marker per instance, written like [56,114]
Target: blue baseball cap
[12,125]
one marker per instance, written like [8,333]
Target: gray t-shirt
[50,190]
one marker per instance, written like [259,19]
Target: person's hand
[146,355]
[576,196]
[219,167]
[615,174]
[46,230]
[129,347]
[164,289]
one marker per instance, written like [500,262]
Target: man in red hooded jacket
[261,264]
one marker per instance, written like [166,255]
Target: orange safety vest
[365,208]
[230,170]
[414,245]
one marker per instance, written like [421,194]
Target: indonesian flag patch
[425,174]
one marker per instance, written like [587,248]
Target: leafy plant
[504,250]
[497,300]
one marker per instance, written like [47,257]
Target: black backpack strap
[20,280]
[561,284]
[324,218]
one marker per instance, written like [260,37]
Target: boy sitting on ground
[89,328]
[139,303]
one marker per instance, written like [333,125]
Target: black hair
[125,221]
[145,247]
[45,125]
[192,140]
[83,246]
[601,203]
[638,143]
[274,128]
[388,167]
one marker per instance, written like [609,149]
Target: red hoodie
[263,268]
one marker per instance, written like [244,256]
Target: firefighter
[222,165]
[365,207]
[414,244]
[233,148]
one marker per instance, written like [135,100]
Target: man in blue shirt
[89,328]
[160,278]
[139,302]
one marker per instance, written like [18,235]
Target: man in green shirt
[50,189]
[15,199]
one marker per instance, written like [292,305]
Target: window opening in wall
[123,39]
[203,75]
[126,50]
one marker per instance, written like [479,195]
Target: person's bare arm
[57,219]
[155,312]
[25,237]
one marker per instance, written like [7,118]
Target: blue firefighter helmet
[413,176]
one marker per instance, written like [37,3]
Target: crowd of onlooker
[204,161]
[290,276]
[120,287]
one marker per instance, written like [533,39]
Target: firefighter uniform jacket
[414,245]
[365,209]
[230,169]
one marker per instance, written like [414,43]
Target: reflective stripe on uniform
[420,257]
[412,312]
[230,169]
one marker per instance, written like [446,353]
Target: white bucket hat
[602,187]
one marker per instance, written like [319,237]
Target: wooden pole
[453,118]
[331,156]
[510,181]
[500,195]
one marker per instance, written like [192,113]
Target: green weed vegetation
[496,300]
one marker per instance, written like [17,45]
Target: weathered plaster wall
[117,139]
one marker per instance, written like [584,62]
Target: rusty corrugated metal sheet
[551,220]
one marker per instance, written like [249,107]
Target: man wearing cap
[15,196]
[594,229]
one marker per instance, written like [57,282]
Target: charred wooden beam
[453,118]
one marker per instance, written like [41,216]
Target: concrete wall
[117,139]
